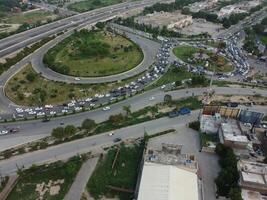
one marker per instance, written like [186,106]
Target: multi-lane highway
[30,130]
[15,42]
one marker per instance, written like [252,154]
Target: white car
[151,98]
[92,104]
[78,108]
[111,133]
[38,108]
[64,111]
[106,108]
[77,79]
[19,110]
[71,104]
[32,113]
[48,106]
[107,95]
[88,99]
[52,112]
[3,132]
[162,87]
[40,114]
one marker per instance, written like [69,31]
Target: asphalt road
[93,143]
[32,130]
[15,42]
[149,49]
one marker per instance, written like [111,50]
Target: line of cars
[152,74]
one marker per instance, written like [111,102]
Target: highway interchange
[32,130]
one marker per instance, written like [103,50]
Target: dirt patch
[52,187]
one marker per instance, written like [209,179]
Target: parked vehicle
[184,111]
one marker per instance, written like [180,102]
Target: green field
[172,75]
[28,17]
[87,5]
[124,174]
[217,63]
[26,187]
[93,54]
[25,92]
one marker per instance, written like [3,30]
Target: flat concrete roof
[167,182]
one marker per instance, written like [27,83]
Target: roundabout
[93,54]
[148,47]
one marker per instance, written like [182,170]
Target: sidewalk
[9,186]
[77,187]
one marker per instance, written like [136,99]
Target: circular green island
[93,54]
[202,57]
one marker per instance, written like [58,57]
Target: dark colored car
[184,111]
[117,139]
[173,114]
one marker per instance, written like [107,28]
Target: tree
[167,98]
[31,76]
[127,109]
[88,124]
[235,193]
[116,119]
[69,130]
[58,132]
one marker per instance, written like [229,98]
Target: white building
[167,182]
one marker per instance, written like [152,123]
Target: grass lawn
[87,5]
[172,75]
[220,64]
[28,17]
[124,174]
[25,189]
[23,92]
[70,54]
[206,138]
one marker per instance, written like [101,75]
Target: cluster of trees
[64,132]
[227,180]
[256,31]
[155,31]
[7,5]
[26,51]
[168,7]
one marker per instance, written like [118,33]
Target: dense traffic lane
[69,149]
[31,130]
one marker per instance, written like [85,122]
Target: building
[167,182]
[242,7]
[252,195]
[231,135]
[202,5]
[210,124]
[253,176]
[169,175]
[174,20]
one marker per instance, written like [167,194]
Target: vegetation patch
[93,53]
[117,170]
[82,6]
[49,182]
[31,89]
[227,180]
[204,58]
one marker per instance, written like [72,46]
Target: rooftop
[167,182]
[252,195]
[253,172]
[170,154]
[232,132]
